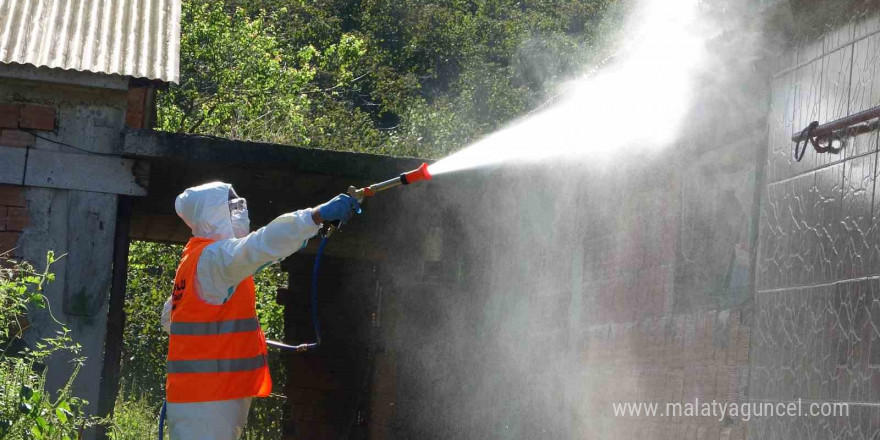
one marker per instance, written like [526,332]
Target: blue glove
[340,208]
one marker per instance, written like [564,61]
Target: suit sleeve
[225,263]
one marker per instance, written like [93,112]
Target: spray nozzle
[421,173]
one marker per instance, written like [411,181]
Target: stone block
[11,195]
[8,240]
[9,114]
[134,112]
[16,138]
[16,218]
[37,117]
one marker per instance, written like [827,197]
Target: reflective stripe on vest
[214,328]
[216,365]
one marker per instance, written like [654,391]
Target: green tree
[401,77]
[235,81]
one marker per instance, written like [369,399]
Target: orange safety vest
[215,352]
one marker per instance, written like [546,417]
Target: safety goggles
[237,205]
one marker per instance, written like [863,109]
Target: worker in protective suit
[217,351]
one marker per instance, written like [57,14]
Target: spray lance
[328,228]
[418,174]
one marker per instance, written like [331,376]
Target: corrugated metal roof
[137,38]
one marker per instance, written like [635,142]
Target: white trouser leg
[223,420]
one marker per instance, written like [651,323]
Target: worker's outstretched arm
[225,263]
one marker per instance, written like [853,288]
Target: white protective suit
[222,265]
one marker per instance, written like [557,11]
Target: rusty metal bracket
[830,132]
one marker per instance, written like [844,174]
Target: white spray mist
[637,102]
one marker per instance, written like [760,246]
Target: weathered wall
[76,224]
[565,295]
[520,303]
[325,388]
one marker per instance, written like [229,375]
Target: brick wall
[13,216]
[325,388]
[660,323]
[675,359]
[18,120]
[560,292]
[140,111]
[576,286]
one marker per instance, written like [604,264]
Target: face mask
[238,215]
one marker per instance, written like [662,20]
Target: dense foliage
[404,77]
[27,410]
[150,278]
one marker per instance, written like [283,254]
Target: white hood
[205,209]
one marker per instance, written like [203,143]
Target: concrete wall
[565,295]
[75,223]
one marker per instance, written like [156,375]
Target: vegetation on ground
[27,409]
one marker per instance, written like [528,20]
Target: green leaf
[61,415]
[37,300]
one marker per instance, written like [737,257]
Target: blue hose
[162,420]
[316,268]
[314,300]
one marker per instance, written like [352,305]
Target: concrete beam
[211,150]
[85,172]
